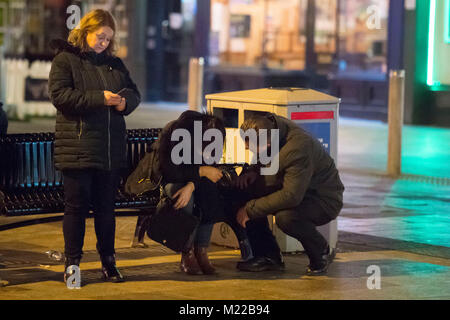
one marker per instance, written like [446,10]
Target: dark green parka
[305,170]
[88,133]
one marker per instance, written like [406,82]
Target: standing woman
[92,92]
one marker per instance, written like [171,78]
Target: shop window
[348,34]
[258,32]
[363,35]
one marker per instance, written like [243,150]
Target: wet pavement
[363,146]
[408,209]
[399,225]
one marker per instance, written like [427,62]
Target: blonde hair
[92,21]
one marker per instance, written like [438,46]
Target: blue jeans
[204,230]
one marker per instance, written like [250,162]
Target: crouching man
[304,193]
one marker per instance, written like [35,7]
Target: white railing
[14,74]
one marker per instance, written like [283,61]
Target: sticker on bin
[313,115]
[319,130]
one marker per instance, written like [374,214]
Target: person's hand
[184,195]
[244,180]
[211,173]
[111,99]
[242,216]
[122,105]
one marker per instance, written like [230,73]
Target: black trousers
[299,223]
[83,190]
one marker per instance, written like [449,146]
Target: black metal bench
[31,185]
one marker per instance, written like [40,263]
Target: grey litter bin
[316,112]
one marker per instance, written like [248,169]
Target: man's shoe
[110,271]
[317,269]
[259,264]
[321,267]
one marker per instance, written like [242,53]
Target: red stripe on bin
[312,115]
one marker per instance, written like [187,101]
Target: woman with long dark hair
[92,92]
[193,186]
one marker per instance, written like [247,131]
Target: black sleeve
[181,173]
[64,96]
[172,173]
[131,92]
[298,171]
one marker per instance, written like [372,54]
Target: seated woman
[192,183]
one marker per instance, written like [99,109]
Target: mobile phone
[121,90]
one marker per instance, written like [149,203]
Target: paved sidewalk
[152,273]
[363,146]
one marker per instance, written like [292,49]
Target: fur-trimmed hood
[60,45]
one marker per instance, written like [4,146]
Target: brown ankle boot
[189,263]
[201,253]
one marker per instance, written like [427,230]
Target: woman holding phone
[92,92]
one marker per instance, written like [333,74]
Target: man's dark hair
[258,122]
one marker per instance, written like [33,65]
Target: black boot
[246,250]
[317,268]
[201,253]
[70,262]
[109,269]
[189,263]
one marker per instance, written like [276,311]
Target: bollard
[2,75]
[195,85]
[395,121]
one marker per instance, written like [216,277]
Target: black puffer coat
[89,134]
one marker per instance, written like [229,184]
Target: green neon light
[431,29]
[447,22]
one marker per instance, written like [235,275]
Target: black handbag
[172,228]
[147,176]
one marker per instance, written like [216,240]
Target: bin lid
[276,96]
